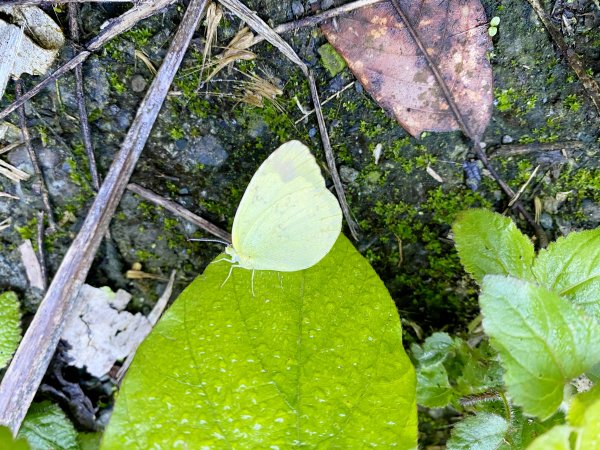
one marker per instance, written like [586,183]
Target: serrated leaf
[7,442]
[555,439]
[433,387]
[315,358]
[483,431]
[434,351]
[47,427]
[571,267]
[543,341]
[491,244]
[10,326]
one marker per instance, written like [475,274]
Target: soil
[208,142]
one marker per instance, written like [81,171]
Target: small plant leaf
[47,427]
[434,351]
[543,341]
[491,244]
[581,402]
[433,388]
[314,358]
[571,267]
[10,326]
[7,442]
[589,433]
[555,439]
[484,431]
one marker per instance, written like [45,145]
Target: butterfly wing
[287,219]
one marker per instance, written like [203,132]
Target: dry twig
[83,118]
[34,160]
[31,360]
[180,211]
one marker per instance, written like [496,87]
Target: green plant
[313,359]
[541,317]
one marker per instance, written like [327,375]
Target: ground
[206,145]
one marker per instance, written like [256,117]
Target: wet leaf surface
[385,58]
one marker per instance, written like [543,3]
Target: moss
[29,230]
[331,59]
[572,103]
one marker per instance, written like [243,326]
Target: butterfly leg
[229,274]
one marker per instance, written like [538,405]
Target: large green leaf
[484,431]
[7,442]
[571,268]
[314,359]
[10,326]
[491,244]
[558,438]
[543,340]
[46,427]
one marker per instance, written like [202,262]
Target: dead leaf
[33,269]
[384,57]
[29,42]
[101,332]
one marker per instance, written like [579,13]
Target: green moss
[29,230]
[572,102]
[331,59]
[116,82]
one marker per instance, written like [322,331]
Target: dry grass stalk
[214,14]
[5,224]
[12,173]
[235,51]
[256,90]
[144,58]
[7,195]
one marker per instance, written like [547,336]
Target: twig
[539,231]
[31,360]
[34,160]
[83,118]
[524,149]
[50,2]
[590,85]
[522,188]
[318,18]
[327,100]
[40,243]
[258,25]
[117,26]
[153,317]
[180,211]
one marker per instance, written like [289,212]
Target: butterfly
[287,219]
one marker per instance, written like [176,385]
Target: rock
[348,174]
[138,83]
[546,221]
[96,86]
[591,209]
[506,139]
[205,150]
[297,8]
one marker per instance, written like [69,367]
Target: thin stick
[327,100]
[117,26]
[180,211]
[40,244]
[524,149]
[590,85]
[258,25]
[318,18]
[522,188]
[33,157]
[541,234]
[51,2]
[83,118]
[31,360]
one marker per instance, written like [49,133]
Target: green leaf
[571,267]
[580,403]
[483,431]
[434,351]
[10,326]
[46,427]
[589,434]
[543,341]
[8,443]
[491,244]
[555,439]
[314,359]
[433,387]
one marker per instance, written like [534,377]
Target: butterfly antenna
[218,241]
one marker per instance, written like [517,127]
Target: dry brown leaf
[382,54]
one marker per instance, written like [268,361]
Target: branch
[35,351]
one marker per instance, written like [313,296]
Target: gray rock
[138,83]
[96,86]
[546,221]
[507,139]
[297,8]
[591,209]
[205,150]
[348,174]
